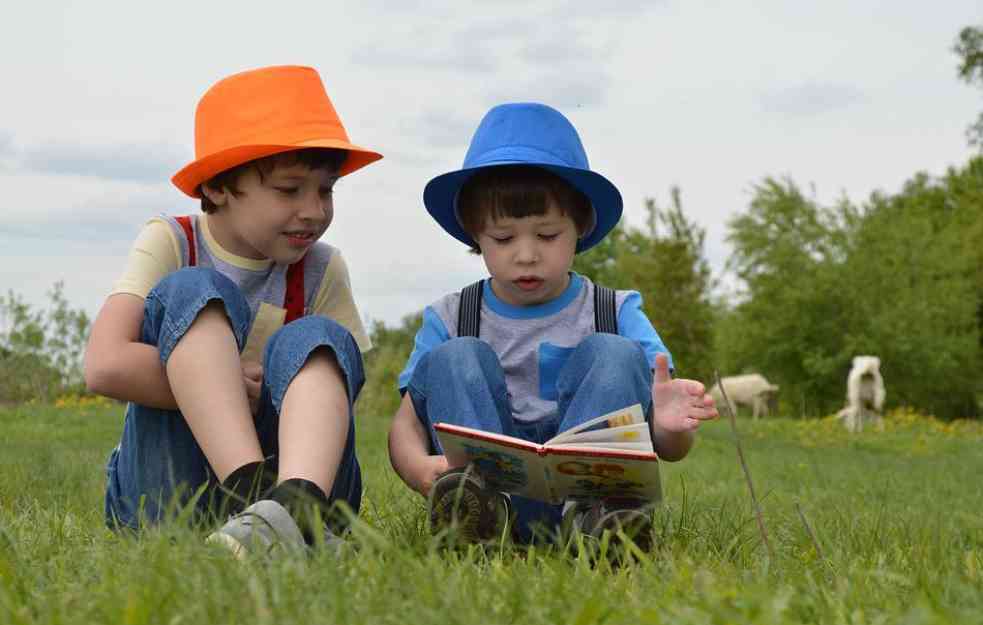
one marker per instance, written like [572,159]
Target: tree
[969,47]
[383,364]
[40,351]
[787,323]
[916,297]
[672,275]
[899,278]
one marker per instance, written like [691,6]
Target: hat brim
[190,177]
[440,199]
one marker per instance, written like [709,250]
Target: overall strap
[605,310]
[293,299]
[469,310]
[185,222]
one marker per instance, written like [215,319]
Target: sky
[96,114]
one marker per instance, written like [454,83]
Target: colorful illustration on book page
[586,478]
[500,469]
[623,417]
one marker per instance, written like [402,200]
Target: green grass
[898,515]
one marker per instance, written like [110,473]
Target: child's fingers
[442,464]
[661,373]
[253,388]
[702,414]
[252,370]
[690,387]
[695,387]
[690,424]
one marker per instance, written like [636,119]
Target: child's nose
[315,206]
[527,252]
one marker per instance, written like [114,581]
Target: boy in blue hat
[535,349]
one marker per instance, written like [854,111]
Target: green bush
[391,349]
[41,351]
[900,277]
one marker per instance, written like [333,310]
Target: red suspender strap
[185,223]
[293,299]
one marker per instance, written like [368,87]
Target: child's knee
[611,349]
[323,361]
[192,281]
[608,360]
[313,340]
[182,297]
[461,353]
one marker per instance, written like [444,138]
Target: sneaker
[263,528]
[460,502]
[593,519]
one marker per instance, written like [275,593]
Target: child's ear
[218,197]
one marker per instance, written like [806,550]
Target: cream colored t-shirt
[158,251]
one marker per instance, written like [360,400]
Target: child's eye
[549,237]
[501,239]
[287,190]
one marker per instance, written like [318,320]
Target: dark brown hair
[313,158]
[518,191]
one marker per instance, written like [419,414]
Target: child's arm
[117,365]
[409,450]
[678,407]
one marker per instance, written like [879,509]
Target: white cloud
[810,98]
[126,162]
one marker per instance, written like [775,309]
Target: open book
[584,463]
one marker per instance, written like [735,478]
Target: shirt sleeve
[155,253]
[334,300]
[432,333]
[635,325]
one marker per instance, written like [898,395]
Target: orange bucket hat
[263,112]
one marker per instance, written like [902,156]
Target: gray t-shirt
[534,342]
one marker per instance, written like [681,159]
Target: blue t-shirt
[534,342]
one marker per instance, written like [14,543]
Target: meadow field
[896,518]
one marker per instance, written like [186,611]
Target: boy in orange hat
[233,335]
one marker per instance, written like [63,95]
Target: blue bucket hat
[526,134]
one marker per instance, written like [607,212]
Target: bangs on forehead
[517,202]
[312,158]
[519,191]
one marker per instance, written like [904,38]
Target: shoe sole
[239,551]
[635,524]
[465,507]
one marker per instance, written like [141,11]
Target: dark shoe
[460,503]
[632,520]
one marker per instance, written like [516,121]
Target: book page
[636,433]
[587,474]
[630,415]
[507,464]
[636,446]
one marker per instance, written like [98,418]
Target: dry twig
[815,541]
[747,471]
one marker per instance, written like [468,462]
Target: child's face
[277,217]
[529,258]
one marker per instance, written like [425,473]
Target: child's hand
[430,470]
[252,375]
[678,405]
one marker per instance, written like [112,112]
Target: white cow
[751,390]
[864,394]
